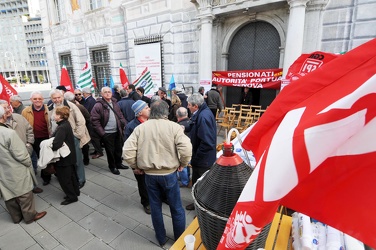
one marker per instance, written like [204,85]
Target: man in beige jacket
[16,182]
[158,148]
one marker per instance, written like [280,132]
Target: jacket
[130,127]
[214,100]
[64,134]
[125,105]
[157,146]
[203,133]
[47,155]
[77,122]
[23,129]
[100,115]
[89,103]
[15,172]
[29,116]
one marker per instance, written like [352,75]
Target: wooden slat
[191,229]
[284,233]
[273,232]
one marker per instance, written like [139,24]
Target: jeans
[80,168]
[167,184]
[184,176]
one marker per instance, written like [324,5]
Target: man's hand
[180,168]
[138,171]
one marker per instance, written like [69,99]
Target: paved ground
[108,215]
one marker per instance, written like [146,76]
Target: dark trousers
[214,111]
[197,173]
[85,152]
[113,144]
[22,206]
[67,177]
[95,140]
[143,192]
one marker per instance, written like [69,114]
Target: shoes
[67,202]
[45,183]
[190,207]
[37,190]
[86,162]
[123,167]
[147,209]
[94,153]
[97,155]
[37,217]
[81,185]
[115,171]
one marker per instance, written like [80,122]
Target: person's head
[201,90]
[175,100]
[62,88]
[162,92]
[140,91]
[61,113]
[154,98]
[15,101]
[86,92]
[141,109]
[181,113]
[2,112]
[131,88]
[106,93]
[159,110]
[246,90]
[69,96]
[36,99]
[57,97]
[77,94]
[219,87]
[195,101]
[123,93]
[7,110]
[116,88]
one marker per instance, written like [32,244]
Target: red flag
[6,90]
[123,77]
[65,79]
[315,149]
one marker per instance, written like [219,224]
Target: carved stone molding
[317,5]
[297,3]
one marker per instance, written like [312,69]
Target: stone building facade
[198,36]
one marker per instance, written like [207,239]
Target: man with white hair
[77,122]
[16,103]
[108,122]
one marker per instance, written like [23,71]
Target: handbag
[50,169]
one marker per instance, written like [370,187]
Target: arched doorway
[254,46]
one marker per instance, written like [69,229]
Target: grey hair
[15,98]
[105,87]
[35,93]
[2,111]
[123,93]
[56,91]
[69,96]
[159,110]
[86,90]
[3,101]
[154,98]
[196,99]
[116,87]
[181,112]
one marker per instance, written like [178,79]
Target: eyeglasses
[77,94]
[35,99]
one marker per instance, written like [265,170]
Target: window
[101,66]
[65,59]
[59,11]
[95,4]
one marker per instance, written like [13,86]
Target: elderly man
[24,130]
[16,103]
[78,96]
[184,121]
[125,104]
[162,93]
[159,159]
[203,133]
[214,100]
[16,175]
[108,122]
[80,132]
[142,112]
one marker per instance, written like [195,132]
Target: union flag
[316,152]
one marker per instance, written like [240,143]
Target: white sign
[149,55]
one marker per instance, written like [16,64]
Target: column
[206,55]
[295,32]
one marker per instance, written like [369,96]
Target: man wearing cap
[108,122]
[162,93]
[159,148]
[142,112]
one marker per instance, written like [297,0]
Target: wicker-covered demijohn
[215,196]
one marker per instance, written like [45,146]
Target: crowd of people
[156,137]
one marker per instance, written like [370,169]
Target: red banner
[261,78]
[6,90]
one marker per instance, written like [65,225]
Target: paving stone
[53,220]
[102,227]
[48,190]
[130,240]
[11,240]
[120,218]
[32,228]
[46,240]
[35,247]
[88,201]
[6,224]
[103,181]
[40,203]
[89,173]
[123,189]
[73,236]
[118,202]
[96,244]
[76,211]
[2,209]
[95,191]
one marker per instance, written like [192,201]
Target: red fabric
[40,127]
[65,79]
[123,78]
[6,90]
[315,149]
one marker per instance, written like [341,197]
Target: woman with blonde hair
[175,104]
